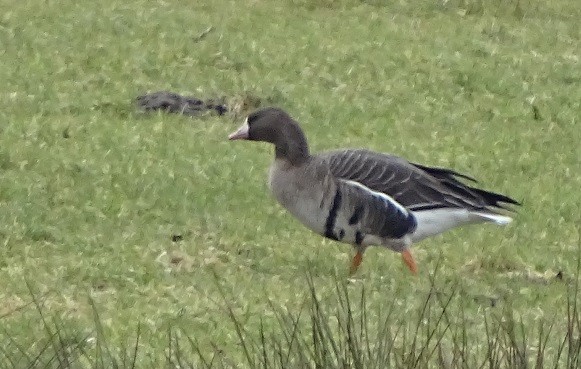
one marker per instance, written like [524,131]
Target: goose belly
[308,212]
[317,213]
[301,194]
[328,218]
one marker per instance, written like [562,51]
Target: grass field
[92,193]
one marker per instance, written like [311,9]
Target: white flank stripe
[378,194]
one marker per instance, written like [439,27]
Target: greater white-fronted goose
[363,197]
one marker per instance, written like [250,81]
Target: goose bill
[241,133]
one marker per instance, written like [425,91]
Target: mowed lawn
[148,217]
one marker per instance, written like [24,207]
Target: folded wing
[413,186]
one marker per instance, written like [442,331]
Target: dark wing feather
[415,187]
[448,178]
[444,172]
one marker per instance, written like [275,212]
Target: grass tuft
[337,331]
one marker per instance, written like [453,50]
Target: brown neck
[296,151]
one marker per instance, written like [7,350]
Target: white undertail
[435,221]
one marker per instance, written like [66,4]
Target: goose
[366,198]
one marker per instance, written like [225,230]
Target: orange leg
[408,259]
[356,262]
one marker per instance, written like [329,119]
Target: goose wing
[415,187]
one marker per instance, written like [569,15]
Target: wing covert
[413,186]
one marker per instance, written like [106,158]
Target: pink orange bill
[241,133]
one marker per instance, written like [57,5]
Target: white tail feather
[496,218]
[436,221]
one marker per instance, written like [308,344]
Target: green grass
[91,192]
